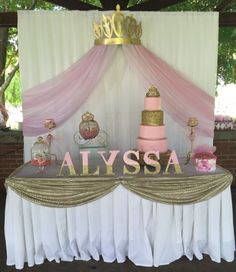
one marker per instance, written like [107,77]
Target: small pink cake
[204,158]
[38,162]
[152,133]
[205,165]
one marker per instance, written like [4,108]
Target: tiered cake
[152,134]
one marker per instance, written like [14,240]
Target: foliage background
[12,94]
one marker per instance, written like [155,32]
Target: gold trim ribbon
[73,191]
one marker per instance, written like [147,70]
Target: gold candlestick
[192,123]
[50,124]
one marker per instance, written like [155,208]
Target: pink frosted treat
[204,158]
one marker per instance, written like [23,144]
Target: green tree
[9,77]
[226,71]
[227,55]
[12,93]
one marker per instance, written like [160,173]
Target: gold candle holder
[50,124]
[192,123]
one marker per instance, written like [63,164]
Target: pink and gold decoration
[152,134]
[50,124]
[192,124]
[204,158]
[131,162]
[117,29]
[40,154]
[40,151]
[88,127]
[85,165]
[173,160]
[67,162]
[130,159]
[149,160]
[109,162]
[177,92]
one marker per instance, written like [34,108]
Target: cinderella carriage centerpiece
[89,136]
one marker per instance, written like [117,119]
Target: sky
[225,103]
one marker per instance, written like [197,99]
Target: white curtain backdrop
[49,42]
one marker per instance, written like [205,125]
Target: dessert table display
[107,210]
[114,217]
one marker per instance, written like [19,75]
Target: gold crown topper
[117,29]
[88,116]
[192,122]
[152,92]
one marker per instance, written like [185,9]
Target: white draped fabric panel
[49,42]
[118,225]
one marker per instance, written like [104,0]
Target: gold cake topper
[192,122]
[117,29]
[152,92]
[88,116]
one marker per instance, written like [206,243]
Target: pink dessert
[205,158]
[152,137]
[36,162]
[205,165]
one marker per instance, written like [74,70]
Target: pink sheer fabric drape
[181,99]
[60,97]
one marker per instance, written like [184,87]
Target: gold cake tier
[152,118]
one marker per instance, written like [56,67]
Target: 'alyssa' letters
[133,169]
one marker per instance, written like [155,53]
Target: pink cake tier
[145,145]
[152,103]
[152,132]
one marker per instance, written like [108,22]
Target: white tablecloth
[117,226]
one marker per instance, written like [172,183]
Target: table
[120,224]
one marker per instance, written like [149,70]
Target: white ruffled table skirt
[117,226]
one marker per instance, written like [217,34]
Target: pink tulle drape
[180,98]
[60,97]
